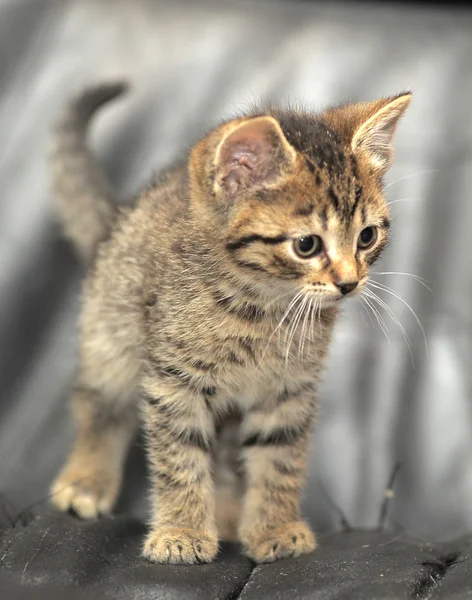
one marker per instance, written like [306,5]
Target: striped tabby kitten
[213,299]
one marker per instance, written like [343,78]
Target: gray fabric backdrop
[191,64]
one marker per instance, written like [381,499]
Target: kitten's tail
[81,190]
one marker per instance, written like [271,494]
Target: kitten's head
[298,197]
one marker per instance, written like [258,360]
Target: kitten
[213,299]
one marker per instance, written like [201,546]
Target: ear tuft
[374,137]
[252,154]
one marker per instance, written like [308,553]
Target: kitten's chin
[330,302]
[336,300]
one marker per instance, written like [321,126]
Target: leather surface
[365,564]
[103,558]
[50,555]
[191,64]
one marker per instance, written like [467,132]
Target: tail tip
[94,96]
[106,90]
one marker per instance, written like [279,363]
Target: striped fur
[198,302]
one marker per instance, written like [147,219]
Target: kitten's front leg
[275,445]
[180,433]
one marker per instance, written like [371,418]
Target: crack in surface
[437,570]
[236,593]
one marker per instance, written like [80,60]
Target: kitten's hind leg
[90,481]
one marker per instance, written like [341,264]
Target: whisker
[294,327]
[411,175]
[405,200]
[295,310]
[380,319]
[310,318]
[394,318]
[368,317]
[279,325]
[318,314]
[301,338]
[303,322]
[388,290]
[298,320]
[366,311]
[313,318]
[304,329]
[417,278]
[398,273]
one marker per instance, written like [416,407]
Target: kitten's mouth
[326,301]
[333,300]
[327,298]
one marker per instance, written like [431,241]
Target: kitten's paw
[288,541]
[87,494]
[172,545]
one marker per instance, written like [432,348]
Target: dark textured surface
[364,564]
[60,556]
[191,64]
[454,576]
[103,557]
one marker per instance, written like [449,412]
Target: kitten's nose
[346,286]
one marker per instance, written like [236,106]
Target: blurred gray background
[192,63]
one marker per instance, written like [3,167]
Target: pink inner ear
[247,157]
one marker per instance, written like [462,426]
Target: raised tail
[82,193]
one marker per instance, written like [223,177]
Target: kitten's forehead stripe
[354,167]
[310,165]
[313,137]
[305,211]
[324,218]
[334,198]
[358,196]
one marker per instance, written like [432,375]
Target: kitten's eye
[307,246]
[367,238]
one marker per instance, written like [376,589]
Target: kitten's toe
[287,541]
[86,494]
[173,545]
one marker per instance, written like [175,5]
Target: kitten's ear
[374,136]
[253,153]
